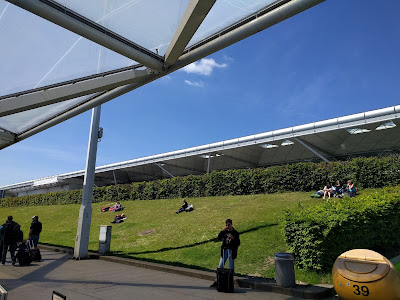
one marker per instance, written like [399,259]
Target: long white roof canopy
[374,132]
[61,58]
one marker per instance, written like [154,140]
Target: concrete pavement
[100,279]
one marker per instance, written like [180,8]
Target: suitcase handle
[31,245]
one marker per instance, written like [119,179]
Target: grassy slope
[186,239]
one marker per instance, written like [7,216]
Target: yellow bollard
[365,274]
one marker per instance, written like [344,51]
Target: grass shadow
[199,243]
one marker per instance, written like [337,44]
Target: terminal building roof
[364,134]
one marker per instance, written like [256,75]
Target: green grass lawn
[187,239]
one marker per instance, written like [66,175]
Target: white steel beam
[271,15]
[68,19]
[312,150]
[165,170]
[6,136]
[16,103]
[194,15]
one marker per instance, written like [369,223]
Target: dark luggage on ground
[225,280]
[34,253]
[23,255]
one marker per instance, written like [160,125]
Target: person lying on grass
[119,218]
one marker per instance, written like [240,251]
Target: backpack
[12,232]
[189,208]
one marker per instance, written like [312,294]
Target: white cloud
[204,67]
[195,83]
[228,58]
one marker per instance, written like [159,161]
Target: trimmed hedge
[372,172]
[319,234]
[109,194]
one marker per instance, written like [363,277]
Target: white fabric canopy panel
[38,52]
[23,121]
[226,13]
[135,20]
[96,36]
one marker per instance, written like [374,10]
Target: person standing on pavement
[230,244]
[35,230]
[1,240]
[12,234]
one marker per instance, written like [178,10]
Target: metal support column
[85,212]
[208,163]
[115,178]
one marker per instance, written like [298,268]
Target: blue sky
[338,58]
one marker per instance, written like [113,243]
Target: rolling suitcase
[34,253]
[23,256]
[225,280]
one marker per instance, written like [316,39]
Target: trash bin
[284,269]
[365,274]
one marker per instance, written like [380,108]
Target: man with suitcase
[230,243]
[12,234]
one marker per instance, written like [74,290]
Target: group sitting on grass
[338,190]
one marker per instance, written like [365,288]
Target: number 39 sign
[365,274]
[363,290]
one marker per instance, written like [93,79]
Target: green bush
[372,172]
[100,194]
[319,234]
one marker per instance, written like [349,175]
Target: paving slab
[102,279]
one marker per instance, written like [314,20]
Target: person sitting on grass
[339,189]
[116,207]
[184,206]
[351,189]
[328,190]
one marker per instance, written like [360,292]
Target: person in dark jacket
[230,243]
[1,240]
[12,234]
[35,230]
[183,207]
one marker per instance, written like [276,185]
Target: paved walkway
[98,279]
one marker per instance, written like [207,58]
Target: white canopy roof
[61,58]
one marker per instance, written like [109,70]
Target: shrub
[319,234]
[372,172]
[100,194]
